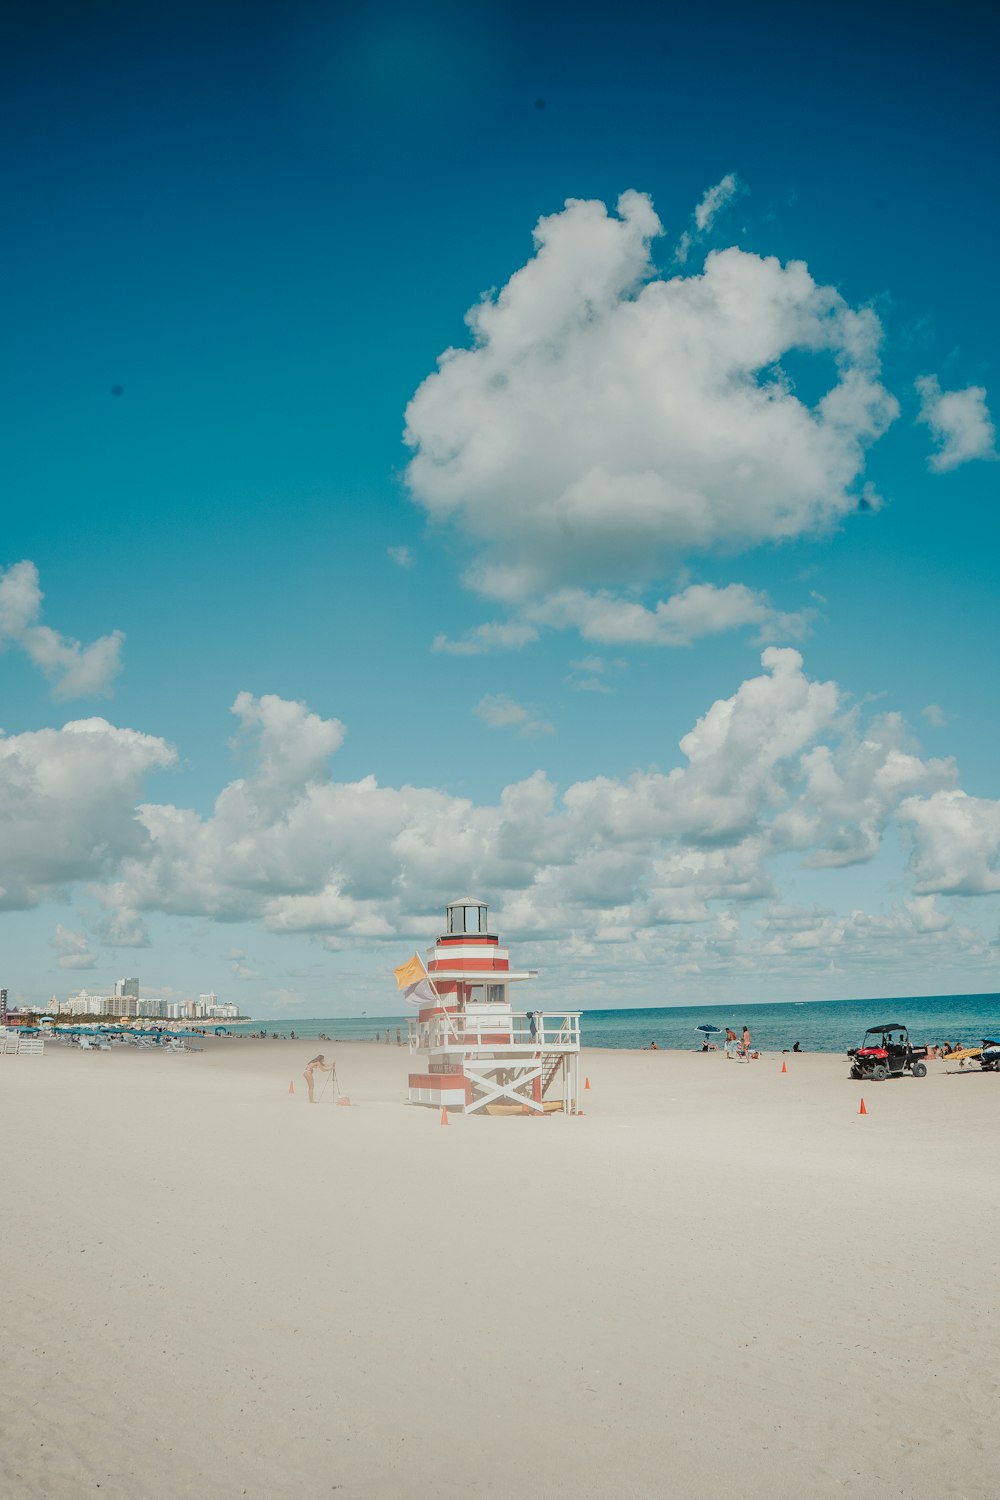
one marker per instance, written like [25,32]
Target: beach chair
[31,1046]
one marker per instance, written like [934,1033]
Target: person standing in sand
[746,1043]
[311,1067]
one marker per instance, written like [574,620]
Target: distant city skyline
[124,1003]
[510,452]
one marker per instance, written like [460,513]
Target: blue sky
[468,660]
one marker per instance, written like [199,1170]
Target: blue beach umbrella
[707,1028]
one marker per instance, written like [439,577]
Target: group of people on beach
[945,1049]
[740,1047]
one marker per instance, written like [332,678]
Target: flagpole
[404,979]
[437,996]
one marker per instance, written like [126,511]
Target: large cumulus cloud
[68,805]
[780,766]
[664,860]
[606,418]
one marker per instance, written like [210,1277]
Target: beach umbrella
[708,1028]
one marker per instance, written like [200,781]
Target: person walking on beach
[746,1043]
[311,1067]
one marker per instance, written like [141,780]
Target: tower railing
[506,1032]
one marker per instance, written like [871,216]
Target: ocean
[817,1025]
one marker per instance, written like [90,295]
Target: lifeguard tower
[477,1053]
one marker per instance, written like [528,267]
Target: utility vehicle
[887,1052]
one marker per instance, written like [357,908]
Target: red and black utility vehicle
[886,1052]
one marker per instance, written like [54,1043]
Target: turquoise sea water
[818,1025]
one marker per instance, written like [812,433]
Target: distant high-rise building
[127,988]
[3,1007]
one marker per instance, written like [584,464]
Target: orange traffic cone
[784,1067]
[862,1110]
[291,1086]
[444,1115]
[586,1083]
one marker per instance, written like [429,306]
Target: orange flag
[410,973]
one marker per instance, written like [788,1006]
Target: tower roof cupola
[467,916]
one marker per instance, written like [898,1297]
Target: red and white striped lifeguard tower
[477,1052]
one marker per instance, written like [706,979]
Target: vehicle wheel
[919,1070]
[855,1072]
[879,1074]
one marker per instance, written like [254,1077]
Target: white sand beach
[720,1281]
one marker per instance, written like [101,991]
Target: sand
[720,1281]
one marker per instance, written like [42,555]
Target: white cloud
[73,949]
[742,757]
[598,664]
[75,670]
[609,619]
[500,712]
[701,609]
[125,929]
[68,804]
[779,766]
[914,928]
[851,789]
[683,248]
[495,635]
[291,746]
[714,201]
[592,673]
[665,860]
[401,556]
[707,211]
[959,422]
[606,419]
[935,715]
[20,600]
[956,843]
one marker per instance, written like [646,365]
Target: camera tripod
[330,1082]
